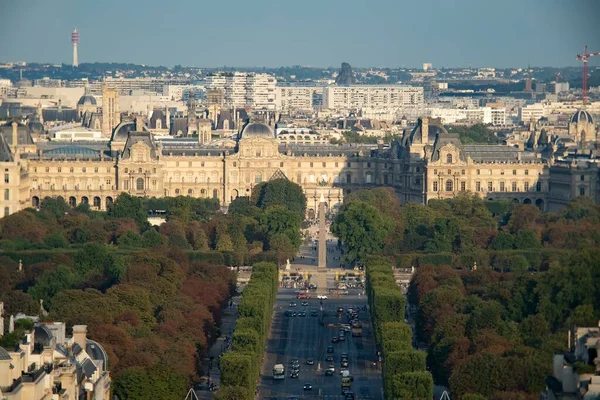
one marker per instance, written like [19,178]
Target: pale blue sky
[308,32]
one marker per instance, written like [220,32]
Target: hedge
[393,335]
[240,367]
[412,385]
[538,259]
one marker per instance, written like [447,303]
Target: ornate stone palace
[425,163]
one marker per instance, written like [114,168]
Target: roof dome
[582,116]
[254,129]
[87,100]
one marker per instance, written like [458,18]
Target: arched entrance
[539,203]
[527,201]
[109,201]
[311,213]
[97,202]
[35,202]
[234,194]
[72,201]
[516,201]
[85,200]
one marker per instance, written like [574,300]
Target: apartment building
[297,98]
[245,89]
[382,97]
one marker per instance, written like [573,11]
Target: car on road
[322,297]
[329,371]
[304,303]
[314,313]
[293,304]
[344,363]
[310,361]
[295,374]
[344,356]
[349,396]
[344,371]
[342,338]
[302,314]
[307,386]
[335,339]
[295,363]
[329,358]
[330,349]
[302,296]
[340,309]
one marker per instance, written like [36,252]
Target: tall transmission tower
[75,41]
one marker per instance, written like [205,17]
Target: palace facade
[425,163]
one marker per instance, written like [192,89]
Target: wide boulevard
[307,337]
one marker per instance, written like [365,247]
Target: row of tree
[404,370]
[240,367]
[466,229]
[494,335]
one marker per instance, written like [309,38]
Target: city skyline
[447,34]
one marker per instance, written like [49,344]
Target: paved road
[308,337]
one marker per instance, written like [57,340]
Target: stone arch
[234,194]
[215,193]
[72,201]
[311,213]
[60,198]
[85,200]
[527,201]
[515,200]
[109,201]
[97,202]
[539,203]
[35,202]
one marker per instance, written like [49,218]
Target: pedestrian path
[223,343]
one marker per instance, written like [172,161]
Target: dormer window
[449,158]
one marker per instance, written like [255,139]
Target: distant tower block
[322,251]
[75,41]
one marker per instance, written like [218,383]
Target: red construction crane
[585,57]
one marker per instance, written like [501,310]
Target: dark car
[329,358]
[330,349]
[329,371]
[293,304]
[314,313]
[344,363]
[349,396]
[307,386]
[302,314]
[310,361]
[342,338]
[340,309]
[335,339]
[295,374]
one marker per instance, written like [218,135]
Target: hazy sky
[322,33]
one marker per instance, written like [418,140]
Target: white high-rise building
[245,89]
[297,98]
[384,98]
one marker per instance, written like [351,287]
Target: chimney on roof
[80,335]
[139,123]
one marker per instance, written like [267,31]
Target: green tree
[277,219]
[127,206]
[503,241]
[361,229]
[130,239]
[527,240]
[224,243]
[284,193]
[412,385]
[152,238]
[51,283]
